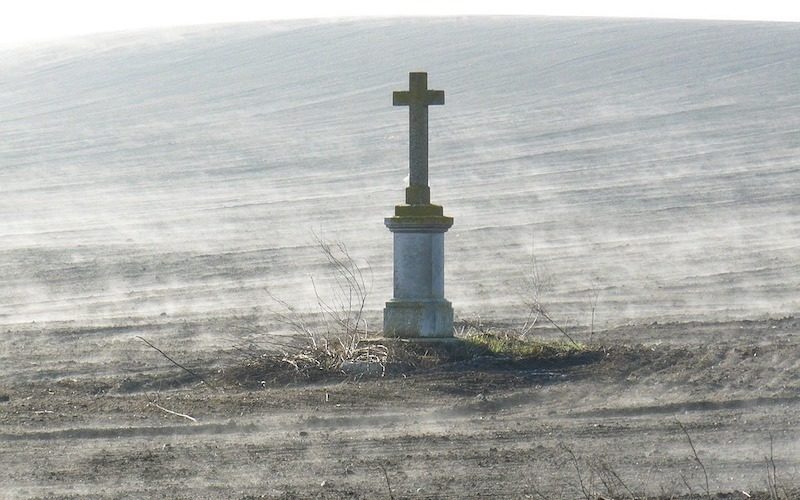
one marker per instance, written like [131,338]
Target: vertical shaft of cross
[418,135]
[418,98]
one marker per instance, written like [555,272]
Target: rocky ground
[93,412]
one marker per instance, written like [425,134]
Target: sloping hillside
[183,171]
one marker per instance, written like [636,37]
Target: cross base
[418,307]
[428,210]
[410,318]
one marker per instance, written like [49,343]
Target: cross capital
[418,93]
[418,97]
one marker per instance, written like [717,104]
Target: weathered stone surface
[419,265]
[418,97]
[418,318]
[429,210]
[418,309]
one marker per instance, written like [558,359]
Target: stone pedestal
[418,308]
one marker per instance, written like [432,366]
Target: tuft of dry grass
[318,358]
[330,356]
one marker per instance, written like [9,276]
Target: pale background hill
[183,171]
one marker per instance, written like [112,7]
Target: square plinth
[407,318]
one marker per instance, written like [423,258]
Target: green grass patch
[524,348]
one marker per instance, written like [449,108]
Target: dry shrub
[329,342]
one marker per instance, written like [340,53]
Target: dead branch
[595,297]
[696,457]
[190,372]
[619,480]
[388,484]
[772,472]
[187,417]
[548,318]
[574,459]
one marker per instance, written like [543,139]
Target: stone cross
[418,309]
[418,97]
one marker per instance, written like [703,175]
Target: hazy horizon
[39,21]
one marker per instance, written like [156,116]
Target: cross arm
[434,97]
[406,98]
[401,98]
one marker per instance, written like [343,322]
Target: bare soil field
[93,412]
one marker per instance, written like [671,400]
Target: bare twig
[261,332]
[548,318]
[610,479]
[535,285]
[350,292]
[772,472]
[190,372]
[696,457]
[688,486]
[619,480]
[574,459]
[187,417]
[340,314]
[388,484]
[595,296]
[607,483]
[539,494]
[289,316]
